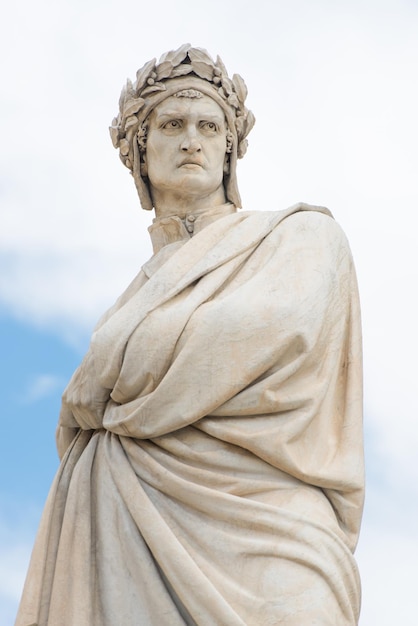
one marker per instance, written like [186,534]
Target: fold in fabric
[212,468]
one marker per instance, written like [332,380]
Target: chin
[195,183]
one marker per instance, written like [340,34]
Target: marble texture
[211,439]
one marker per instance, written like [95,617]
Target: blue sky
[333,87]
[37,367]
[34,367]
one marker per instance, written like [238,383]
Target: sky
[333,85]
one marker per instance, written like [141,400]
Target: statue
[211,439]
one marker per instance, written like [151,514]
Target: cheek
[156,156]
[155,147]
[220,149]
[219,156]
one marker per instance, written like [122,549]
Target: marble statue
[211,439]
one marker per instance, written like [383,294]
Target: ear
[143,164]
[226,164]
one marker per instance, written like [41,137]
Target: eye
[172,125]
[209,126]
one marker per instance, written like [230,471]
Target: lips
[190,162]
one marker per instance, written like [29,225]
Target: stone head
[188,75]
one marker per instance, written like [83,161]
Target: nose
[191,143]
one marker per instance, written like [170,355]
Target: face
[185,151]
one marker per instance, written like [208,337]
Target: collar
[172,229]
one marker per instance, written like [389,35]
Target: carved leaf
[250,121]
[203,70]
[227,85]
[124,147]
[182,70]
[122,98]
[164,70]
[233,100]
[114,135]
[129,87]
[221,65]
[176,56]
[131,121]
[153,88]
[143,73]
[132,106]
[240,87]
[201,55]
[239,125]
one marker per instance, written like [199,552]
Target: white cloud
[13,566]
[332,86]
[332,91]
[17,532]
[42,386]
[389,571]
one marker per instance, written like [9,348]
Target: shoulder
[314,223]
[301,218]
[308,235]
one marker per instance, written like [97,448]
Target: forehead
[184,106]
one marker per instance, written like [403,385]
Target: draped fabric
[212,468]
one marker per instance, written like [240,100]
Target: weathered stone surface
[211,439]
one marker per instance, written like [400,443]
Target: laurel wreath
[152,78]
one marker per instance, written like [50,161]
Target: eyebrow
[176,115]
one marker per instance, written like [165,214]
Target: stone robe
[211,440]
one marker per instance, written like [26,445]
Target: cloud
[13,566]
[17,532]
[332,91]
[389,571]
[332,88]
[73,234]
[40,387]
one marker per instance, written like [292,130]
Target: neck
[167,204]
